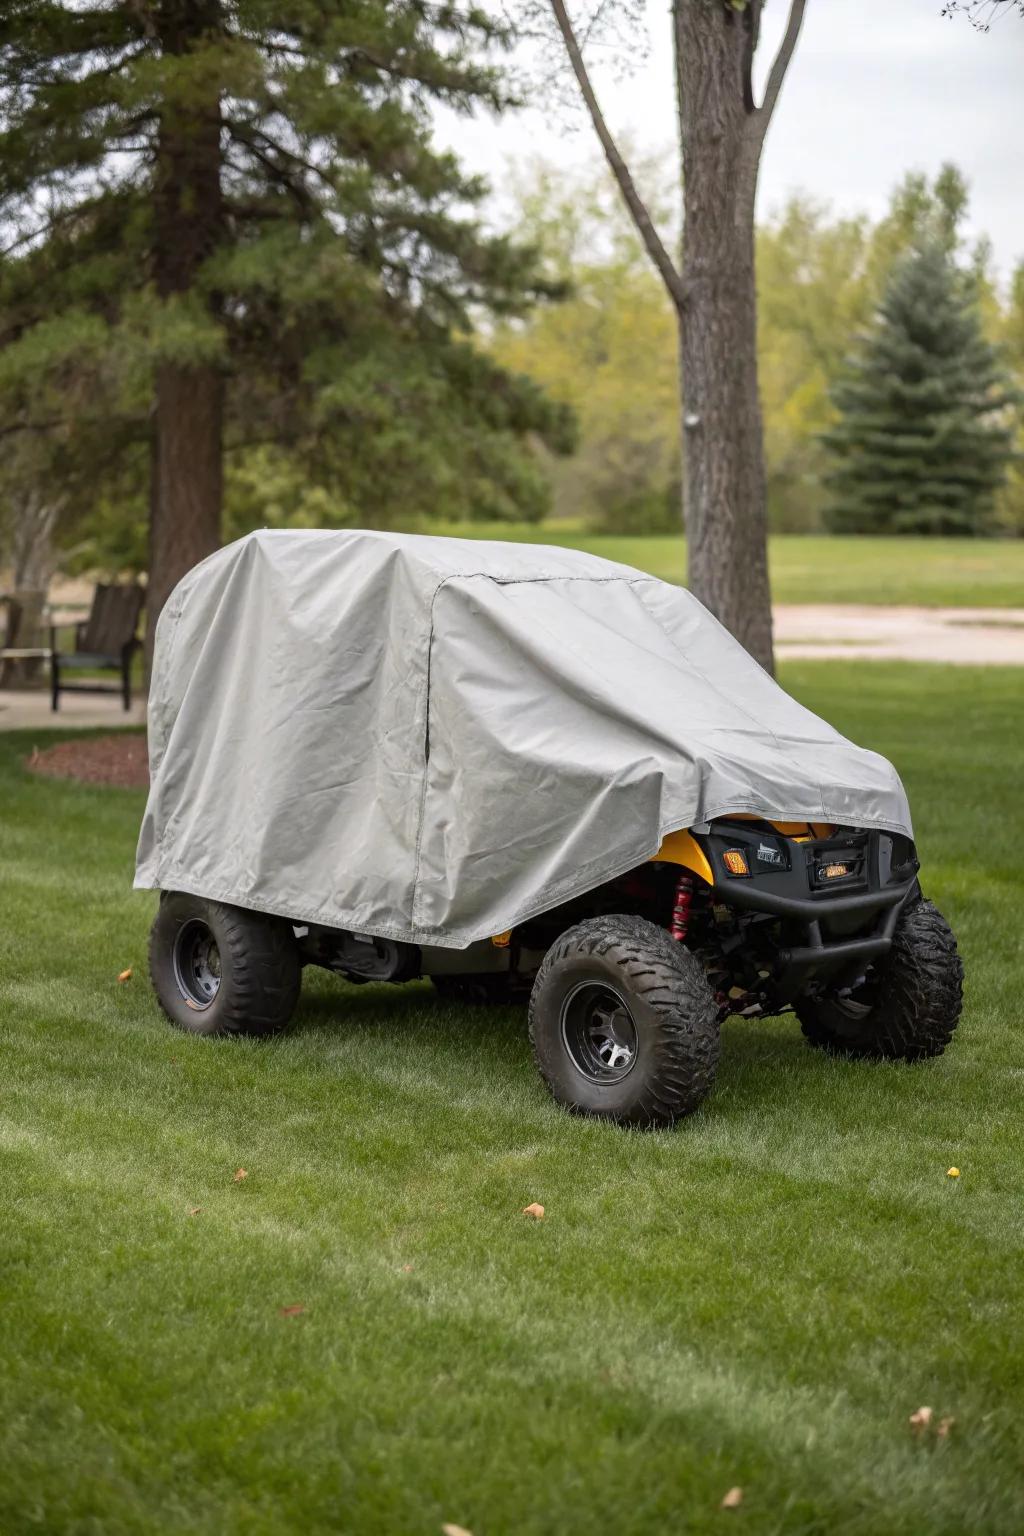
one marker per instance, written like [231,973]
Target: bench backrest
[113,619]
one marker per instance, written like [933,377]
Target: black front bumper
[829,925]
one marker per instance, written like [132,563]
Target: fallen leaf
[406,1269]
[239,1175]
[534,1210]
[920,1420]
[293,1311]
[952,1173]
[733,1499]
[945,1425]
[196,1210]
[126,975]
[455,1530]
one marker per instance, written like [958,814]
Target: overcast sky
[876,88]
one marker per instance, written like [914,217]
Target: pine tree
[924,430]
[226,224]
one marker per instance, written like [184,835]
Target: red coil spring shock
[681,907]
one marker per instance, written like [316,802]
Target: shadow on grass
[764,1065]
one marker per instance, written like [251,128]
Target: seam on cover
[502,581]
[426,760]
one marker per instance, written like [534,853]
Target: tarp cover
[433,739]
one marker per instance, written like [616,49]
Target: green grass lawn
[760,1297]
[932,573]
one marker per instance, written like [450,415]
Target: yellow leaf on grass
[534,1210]
[945,1425]
[733,1499]
[196,1210]
[920,1420]
[239,1174]
[952,1173]
[455,1530]
[126,975]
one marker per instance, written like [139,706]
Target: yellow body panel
[683,848]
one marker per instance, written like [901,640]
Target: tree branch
[630,196]
[752,23]
[763,115]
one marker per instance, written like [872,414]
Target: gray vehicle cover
[433,739]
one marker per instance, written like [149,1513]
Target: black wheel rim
[598,1032]
[851,1011]
[196,964]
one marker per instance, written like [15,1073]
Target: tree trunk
[187,484]
[724,496]
[185,502]
[33,562]
[33,556]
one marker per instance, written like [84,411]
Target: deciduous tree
[712,288]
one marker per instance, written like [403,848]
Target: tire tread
[264,971]
[921,986]
[663,974]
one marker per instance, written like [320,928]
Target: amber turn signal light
[736,862]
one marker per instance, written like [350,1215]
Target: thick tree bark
[724,484]
[185,499]
[721,131]
[187,485]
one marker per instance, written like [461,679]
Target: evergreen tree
[924,430]
[226,224]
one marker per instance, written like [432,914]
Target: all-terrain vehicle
[523,773]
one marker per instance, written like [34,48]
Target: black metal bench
[105,642]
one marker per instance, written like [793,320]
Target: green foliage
[608,352]
[1009,329]
[923,435]
[343,271]
[611,350]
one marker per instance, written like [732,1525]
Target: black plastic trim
[809,909]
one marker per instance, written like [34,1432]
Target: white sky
[876,88]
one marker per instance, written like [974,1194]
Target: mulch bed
[118,760]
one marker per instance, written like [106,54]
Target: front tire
[909,1005]
[623,1023]
[222,970]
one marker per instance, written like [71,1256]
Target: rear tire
[623,1023]
[222,970]
[911,1003]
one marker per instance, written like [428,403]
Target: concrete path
[854,632]
[22,710]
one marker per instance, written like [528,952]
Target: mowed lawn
[759,1298]
[931,573]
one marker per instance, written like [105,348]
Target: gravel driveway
[966,636]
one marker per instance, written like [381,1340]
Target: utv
[520,772]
